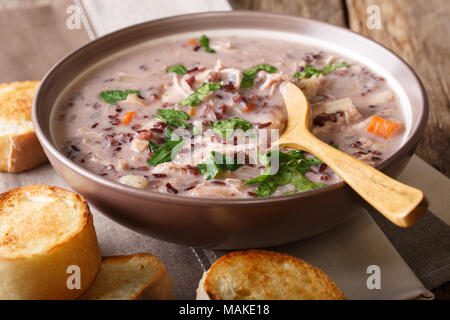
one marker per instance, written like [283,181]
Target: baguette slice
[44,232]
[265,275]
[136,276]
[19,147]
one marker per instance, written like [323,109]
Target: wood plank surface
[418,32]
[332,11]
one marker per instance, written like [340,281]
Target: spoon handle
[401,204]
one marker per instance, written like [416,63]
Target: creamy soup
[200,117]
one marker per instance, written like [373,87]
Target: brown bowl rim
[406,148]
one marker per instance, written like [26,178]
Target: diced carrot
[249,107]
[128,117]
[192,112]
[193,42]
[383,127]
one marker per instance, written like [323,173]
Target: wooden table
[416,30]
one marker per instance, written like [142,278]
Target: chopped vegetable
[292,169]
[266,188]
[249,74]
[301,182]
[219,163]
[204,43]
[171,136]
[250,107]
[165,152]
[178,69]
[193,42]
[310,71]
[201,93]
[209,168]
[112,96]
[128,117]
[383,127]
[225,128]
[172,117]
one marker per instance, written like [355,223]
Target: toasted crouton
[265,275]
[19,147]
[136,276]
[48,244]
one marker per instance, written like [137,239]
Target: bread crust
[19,151]
[245,265]
[157,287]
[43,273]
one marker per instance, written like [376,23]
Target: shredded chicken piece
[219,65]
[138,145]
[133,99]
[232,75]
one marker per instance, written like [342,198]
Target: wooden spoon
[401,204]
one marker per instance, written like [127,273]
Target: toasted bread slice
[19,147]
[265,275]
[136,276]
[48,245]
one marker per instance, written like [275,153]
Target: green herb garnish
[112,96]
[249,74]
[310,71]
[178,69]
[201,93]
[225,128]
[165,152]
[204,43]
[219,163]
[172,117]
[292,169]
[301,182]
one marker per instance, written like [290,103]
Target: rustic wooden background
[417,30]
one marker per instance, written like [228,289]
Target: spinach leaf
[163,153]
[292,167]
[266,188]
[303,165]
[112,96]
[178,69]
[310,71]
[259,179]
[212,168]
[329,68]
[225,128]
[226,162]
[283,176]
[204,43]
[301,182]
[201,93]
[249,74]
[171,117]
[209,168]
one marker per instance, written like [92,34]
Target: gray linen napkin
[425,247]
